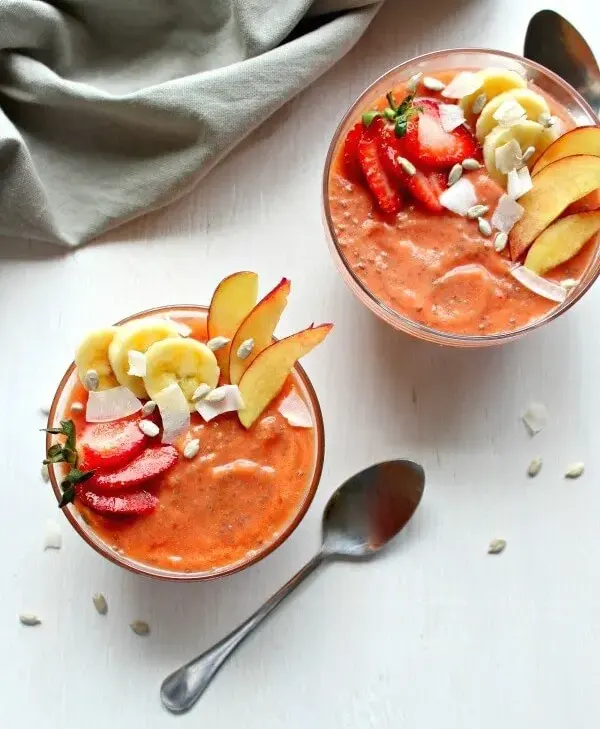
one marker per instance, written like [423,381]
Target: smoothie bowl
[461,197]
[186,442]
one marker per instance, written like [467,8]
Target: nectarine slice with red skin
[266,376]
[586,204]
[582,140]
[233,299]
[561,241]
[554,189]
[259,326]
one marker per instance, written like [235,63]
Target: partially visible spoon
[552,41]
[360,518]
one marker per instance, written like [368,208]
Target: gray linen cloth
[109,108]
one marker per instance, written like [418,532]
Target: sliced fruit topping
[149,464]
[352,168]
[92,356]
[583,140]
[224,399]
[233,299]
[525,134]
[114,404]
[378,181]
[185,362]
[106,446]
[258,327]
[135,503]
[537,284]
[174,412]
[561,241]
[532,104]
[427,143]
[265,377]
[555,187]
[138,336]
[492,82]
[586,204]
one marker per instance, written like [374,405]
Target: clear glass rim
[381,309]
[170,575]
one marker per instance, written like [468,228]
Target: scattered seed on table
[534,467]
[45,473]
[29,619]
[575,470]
[496,546]
[100,603]
[140,627]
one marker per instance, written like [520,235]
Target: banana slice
[138,335]
[494,81]
[186,362]
[92,354]
[526,133]
[533,103]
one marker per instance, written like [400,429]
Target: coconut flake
[114,404]
[182,329]
[535,417]
[459,197]
[506,214]
[137,363]
[174,412]
[518,183]
[509,112]
[463,84]
[508,157]
[538,285]
[52,535]
[451,116]
[231,400]
[294,410]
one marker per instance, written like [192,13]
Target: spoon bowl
[361,517]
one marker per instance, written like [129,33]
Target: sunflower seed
[217,395]
[496,546]
[528,154]
[477,211]
[140,627]
[575,470]
[100,603]
[77,407]
[470,164]
[484,227]
[217,343]
[534,467]
[479,103]
[191,448]
[407,166]
[433,84]
[245,348]
[500,241]
[413,82]
[91,380]
[44,472]
[201,391]
[149,407]
[148,428]
[29,619]
[455,174]
[569,283]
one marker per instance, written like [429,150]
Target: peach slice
[561,241]
[554,188]
[582,140]
[586,204]
[259,326]
[265,377]
[233,299]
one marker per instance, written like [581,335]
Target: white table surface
[436,633]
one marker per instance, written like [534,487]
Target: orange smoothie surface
[230,501]
[438,269]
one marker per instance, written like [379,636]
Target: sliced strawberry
[350,152]
[379,183]
[134,503]
[106,446]
[427,190]
[151,463]
[428,144]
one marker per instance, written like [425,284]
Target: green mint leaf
[76,476]
[390,99]
[68,427]
[368,116]
[67,497]
[58,458]
[54,450]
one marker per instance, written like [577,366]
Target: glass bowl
[141,568]
[430,63]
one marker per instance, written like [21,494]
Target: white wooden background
[436,633]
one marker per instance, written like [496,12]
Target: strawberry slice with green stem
[133,503]
[151,463]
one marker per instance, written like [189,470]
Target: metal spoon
[555,43]
[360,518]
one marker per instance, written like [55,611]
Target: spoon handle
[181,689]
